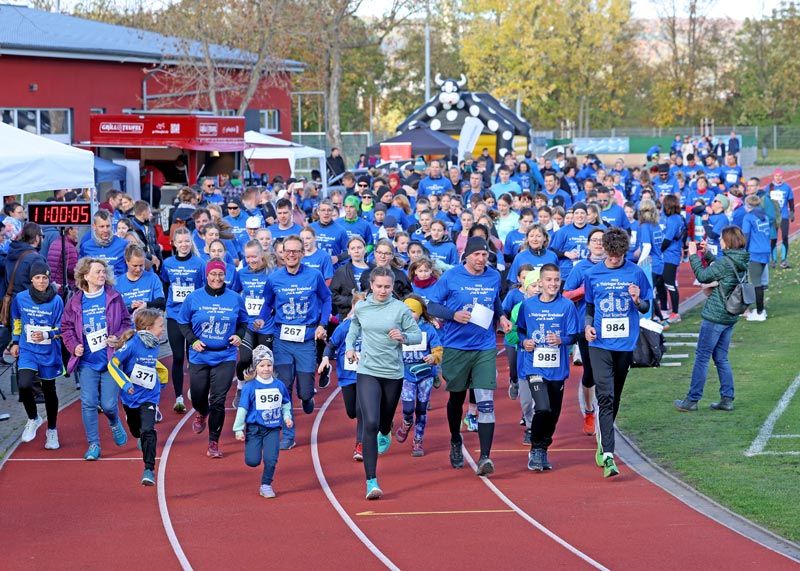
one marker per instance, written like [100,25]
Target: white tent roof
[30,163]
[264,147]
[254,138]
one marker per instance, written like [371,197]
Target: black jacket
[342,286]
[22,279]
[402,287]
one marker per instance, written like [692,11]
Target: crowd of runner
[402,278]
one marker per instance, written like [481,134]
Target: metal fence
[353,143]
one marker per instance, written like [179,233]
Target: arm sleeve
[187,332]
[239,422]
[286,409]
[589,319]
[119,376]
[353,333]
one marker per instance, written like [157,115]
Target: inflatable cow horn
[438,79]
[463,81]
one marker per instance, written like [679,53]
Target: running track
[61,512]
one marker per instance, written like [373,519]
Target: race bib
[180,293]
[421,346]
[614,327]
[268,399]
[633,236]
[713,248]
[731,177]
[98,340]
[31,329]
[348,366]
[144,376]
[253,305]
[294,333]
[546,357]
[777,196]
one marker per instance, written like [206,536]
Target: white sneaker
[159,416]
[760,316]
[30,429]
[751,315]
[52,440]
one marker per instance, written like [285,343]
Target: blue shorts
[302,355]
[44,371]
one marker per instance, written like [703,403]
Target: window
[52,123]
[226,113]
[269,121]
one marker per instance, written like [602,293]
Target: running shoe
[598,456]
[471,422]
[545,462]
[51,440]
[522,420]
[588,423]
[93,452]
[199,423]
[159,416]
[749,314]
[485,466]
[119,434]
[674,318]
[213,450]
[384,441]
[526,437]
[759,316]
[324,379]
[401,434]
[725,403]
[179,407]
[610,468]
[358,452]
[437,382]
[148,478]
[33,424]
[266,491]
[513,390]
[686,405]
[785,265]
[287,444]
[416,448]
[308,406]
[535,463]
[373,491]
[456,455]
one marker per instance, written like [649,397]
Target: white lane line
[139,458]
[524,515]
[329,493]
[786,436]
[758,445]
[162,495]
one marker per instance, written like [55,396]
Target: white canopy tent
[264,147]
[30,163]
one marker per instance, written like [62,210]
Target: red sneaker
[358,453]
[213,450]
[588,423]
[402,432]
[199,423]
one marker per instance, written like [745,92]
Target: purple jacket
[117,318]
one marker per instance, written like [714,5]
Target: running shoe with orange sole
[588,423]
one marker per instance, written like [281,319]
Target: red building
[58,70]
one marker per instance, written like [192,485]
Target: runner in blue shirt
[314,257]
[104,245]
[730,172]
[284,225]
[434,183]
[570,242]
[651,238]
[610,212]
[139,288]
[756,229]
[672,250]
[353,224]
[516,238]
[782,193]
[331,237]
[534,253]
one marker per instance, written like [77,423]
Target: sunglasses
[364,185]
[234,207]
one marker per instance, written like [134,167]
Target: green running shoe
[610,468]
[598,456]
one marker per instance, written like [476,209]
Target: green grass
[777,157]
[706,448]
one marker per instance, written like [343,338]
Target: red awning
[222,147]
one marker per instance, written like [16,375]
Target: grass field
[776,157]
[706,448]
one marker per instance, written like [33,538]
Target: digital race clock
[60,213]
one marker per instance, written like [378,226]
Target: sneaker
[588,423]
[119,434]
[93,452]
[535,461]
[358,452]
[598,455]
[749,314]
[31,427]
[287,444]
[401,434]
[437,382]
[266,491]
[526,437]
[456,455]
[522,421]
[373,491]
[384,441]
[513,390]
[51,440]
[725,403]
[785,265]
[308,406]
[324,379]
[148,478]
[416,448]
[199,423]
[179,407]
[213,450]
[759,316]
[159,416]
[485,466]
[545,462]
[471,422]
[686,405]
[610,468]
[674,318]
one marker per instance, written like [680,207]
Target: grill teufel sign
[164,130]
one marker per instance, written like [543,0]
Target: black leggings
[377,399]
[177,342]
[511,353]
[350,397]
[587,380]
[610,371]
[547,399]
[251,341]
[142,424]
[661,295]
[785,235]
[26,378]
[671,283]
[210,385]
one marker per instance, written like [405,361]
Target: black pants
[26,378]
[671,283]
[142,424]
[661,294]
[377,399]
[610,370]
[785,235]
[210,385]
[350,397]
[511,353]
[547,399]
[251,341]
[587,380]
[177,342]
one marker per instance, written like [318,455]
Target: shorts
[464,370]
[303,356]
[44,371]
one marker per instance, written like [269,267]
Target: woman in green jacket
[717,325]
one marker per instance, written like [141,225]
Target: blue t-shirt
[357,227]
[345,372]
[445,252]
[138,363]
[331,238]
[574,281]
[535,320]
[26,317]
[614,215]
[297,299]
[616,317]
[147,288]
[513,243]
[278,232]
[320,260]
[214,318]
[264,402]
[528,257]
[571,238]
[673,233]
[413,354]
[183,277]
[665,187]
[730,175]
[252,284]
[95,332]
[113,254]
[756,229]
[782,194]
[438,185]
[716,224]
[652,234]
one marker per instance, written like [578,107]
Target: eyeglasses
[366,197]
[381,253]
[292,252]
[596,241]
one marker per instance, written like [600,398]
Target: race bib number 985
[546,357]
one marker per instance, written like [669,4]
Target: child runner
[548,324]
[419,371]
[346,373]
[264,403]
[136,369]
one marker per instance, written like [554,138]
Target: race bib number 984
[615,327]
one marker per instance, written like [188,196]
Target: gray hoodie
[372,320]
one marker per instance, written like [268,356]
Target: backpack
[743,294]
[651,346]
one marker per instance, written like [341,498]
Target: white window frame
[269,121]
[65,138]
